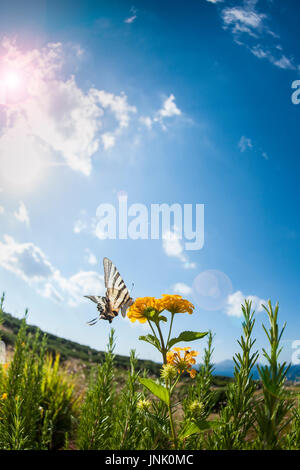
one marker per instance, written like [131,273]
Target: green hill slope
[68,349]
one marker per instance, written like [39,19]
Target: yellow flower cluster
[196,407]
[144,404]
[176,304]
[143,306]
[168,371]
[183,363]
[4,396]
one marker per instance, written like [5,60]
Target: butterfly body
[117,296]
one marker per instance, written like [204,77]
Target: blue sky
[169,102]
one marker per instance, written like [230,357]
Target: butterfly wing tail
[92,322]
[100,301]
[126,306]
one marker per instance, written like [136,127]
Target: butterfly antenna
[132,286]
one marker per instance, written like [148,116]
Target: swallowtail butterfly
[117,296]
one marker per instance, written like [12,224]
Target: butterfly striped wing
[117,292]
[101,307]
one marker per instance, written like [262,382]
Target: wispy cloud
[132,17]
[22,214]
[251,28]
[244,143]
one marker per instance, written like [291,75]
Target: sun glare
[12,79]
[12,86]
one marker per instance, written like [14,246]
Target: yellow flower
[144,404]
[143,308]
[176,304]
[183,363]
[196,407]
[4,396]
[168,371]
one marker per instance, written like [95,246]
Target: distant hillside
[67,348]
[70,349]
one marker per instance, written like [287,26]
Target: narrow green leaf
[158,390]
[186,336]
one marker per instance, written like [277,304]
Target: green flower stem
[171,324]
[163,348]
[170,390]
[152,328]
[175,383]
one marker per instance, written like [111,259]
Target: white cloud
[22,214]
[284,63]
[25,260]
[80,226]
[182,289]
[49,291]
[28,262]
[147,121]
[173,247]
[1,210]
[236,299]
[108,140]
[90,257]
[242,16]
[169,108]
[80,284]
[244,143]
[57,119]
[118,105]
[133,16]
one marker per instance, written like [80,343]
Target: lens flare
[211,289]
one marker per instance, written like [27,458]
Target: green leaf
[158,390]
[152,340]
[188,430]
[193,428]
[186,336]
[203,425]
